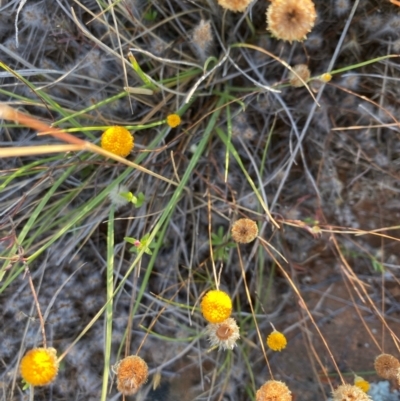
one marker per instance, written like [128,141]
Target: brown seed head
[224,334]
[291,19]
[244,231]
[234,5]
[202,35]
[132,373]
[273,390]
[386,366]
[303,72]
[347,392]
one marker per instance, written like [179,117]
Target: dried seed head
[244,231]
[224,335]
[132,373]
[303,72]
[347,392]
[234,5]
[291,19]
[35,16]
[386,366]
[342,7]
[202,36]
[273,390]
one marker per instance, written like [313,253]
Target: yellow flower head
[326,77]
[216,306]
[276,341]
[361,383]
[39,366]
[173,120]
[117,140]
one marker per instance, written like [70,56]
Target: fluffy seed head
[39,366]
[303,72]
[394,23]
[361,383]
[347,392]
[216,306]
[276,341]
[132,373]
[396,46]
[342,7]
[234,5]
[202,36]
[244,231]
[94,64]
[314,41]
[273,390]
[117,140]
[291,20]
[35,16]
[173,120]
[224,335]
[386,366]
[117,197]
[373,23]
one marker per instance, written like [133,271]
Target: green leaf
[130,240]
[220,245]
[142,75]
[128,196]
[151,15]
[140,200]
[140,245]
[378,267]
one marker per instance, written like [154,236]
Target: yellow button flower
[361,383]
[173,120]
[276,341]
[326,77]
[39,366]
[117,140]
[216,306]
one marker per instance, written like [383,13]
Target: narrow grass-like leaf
[109,307]
[32,219]
[235,154]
